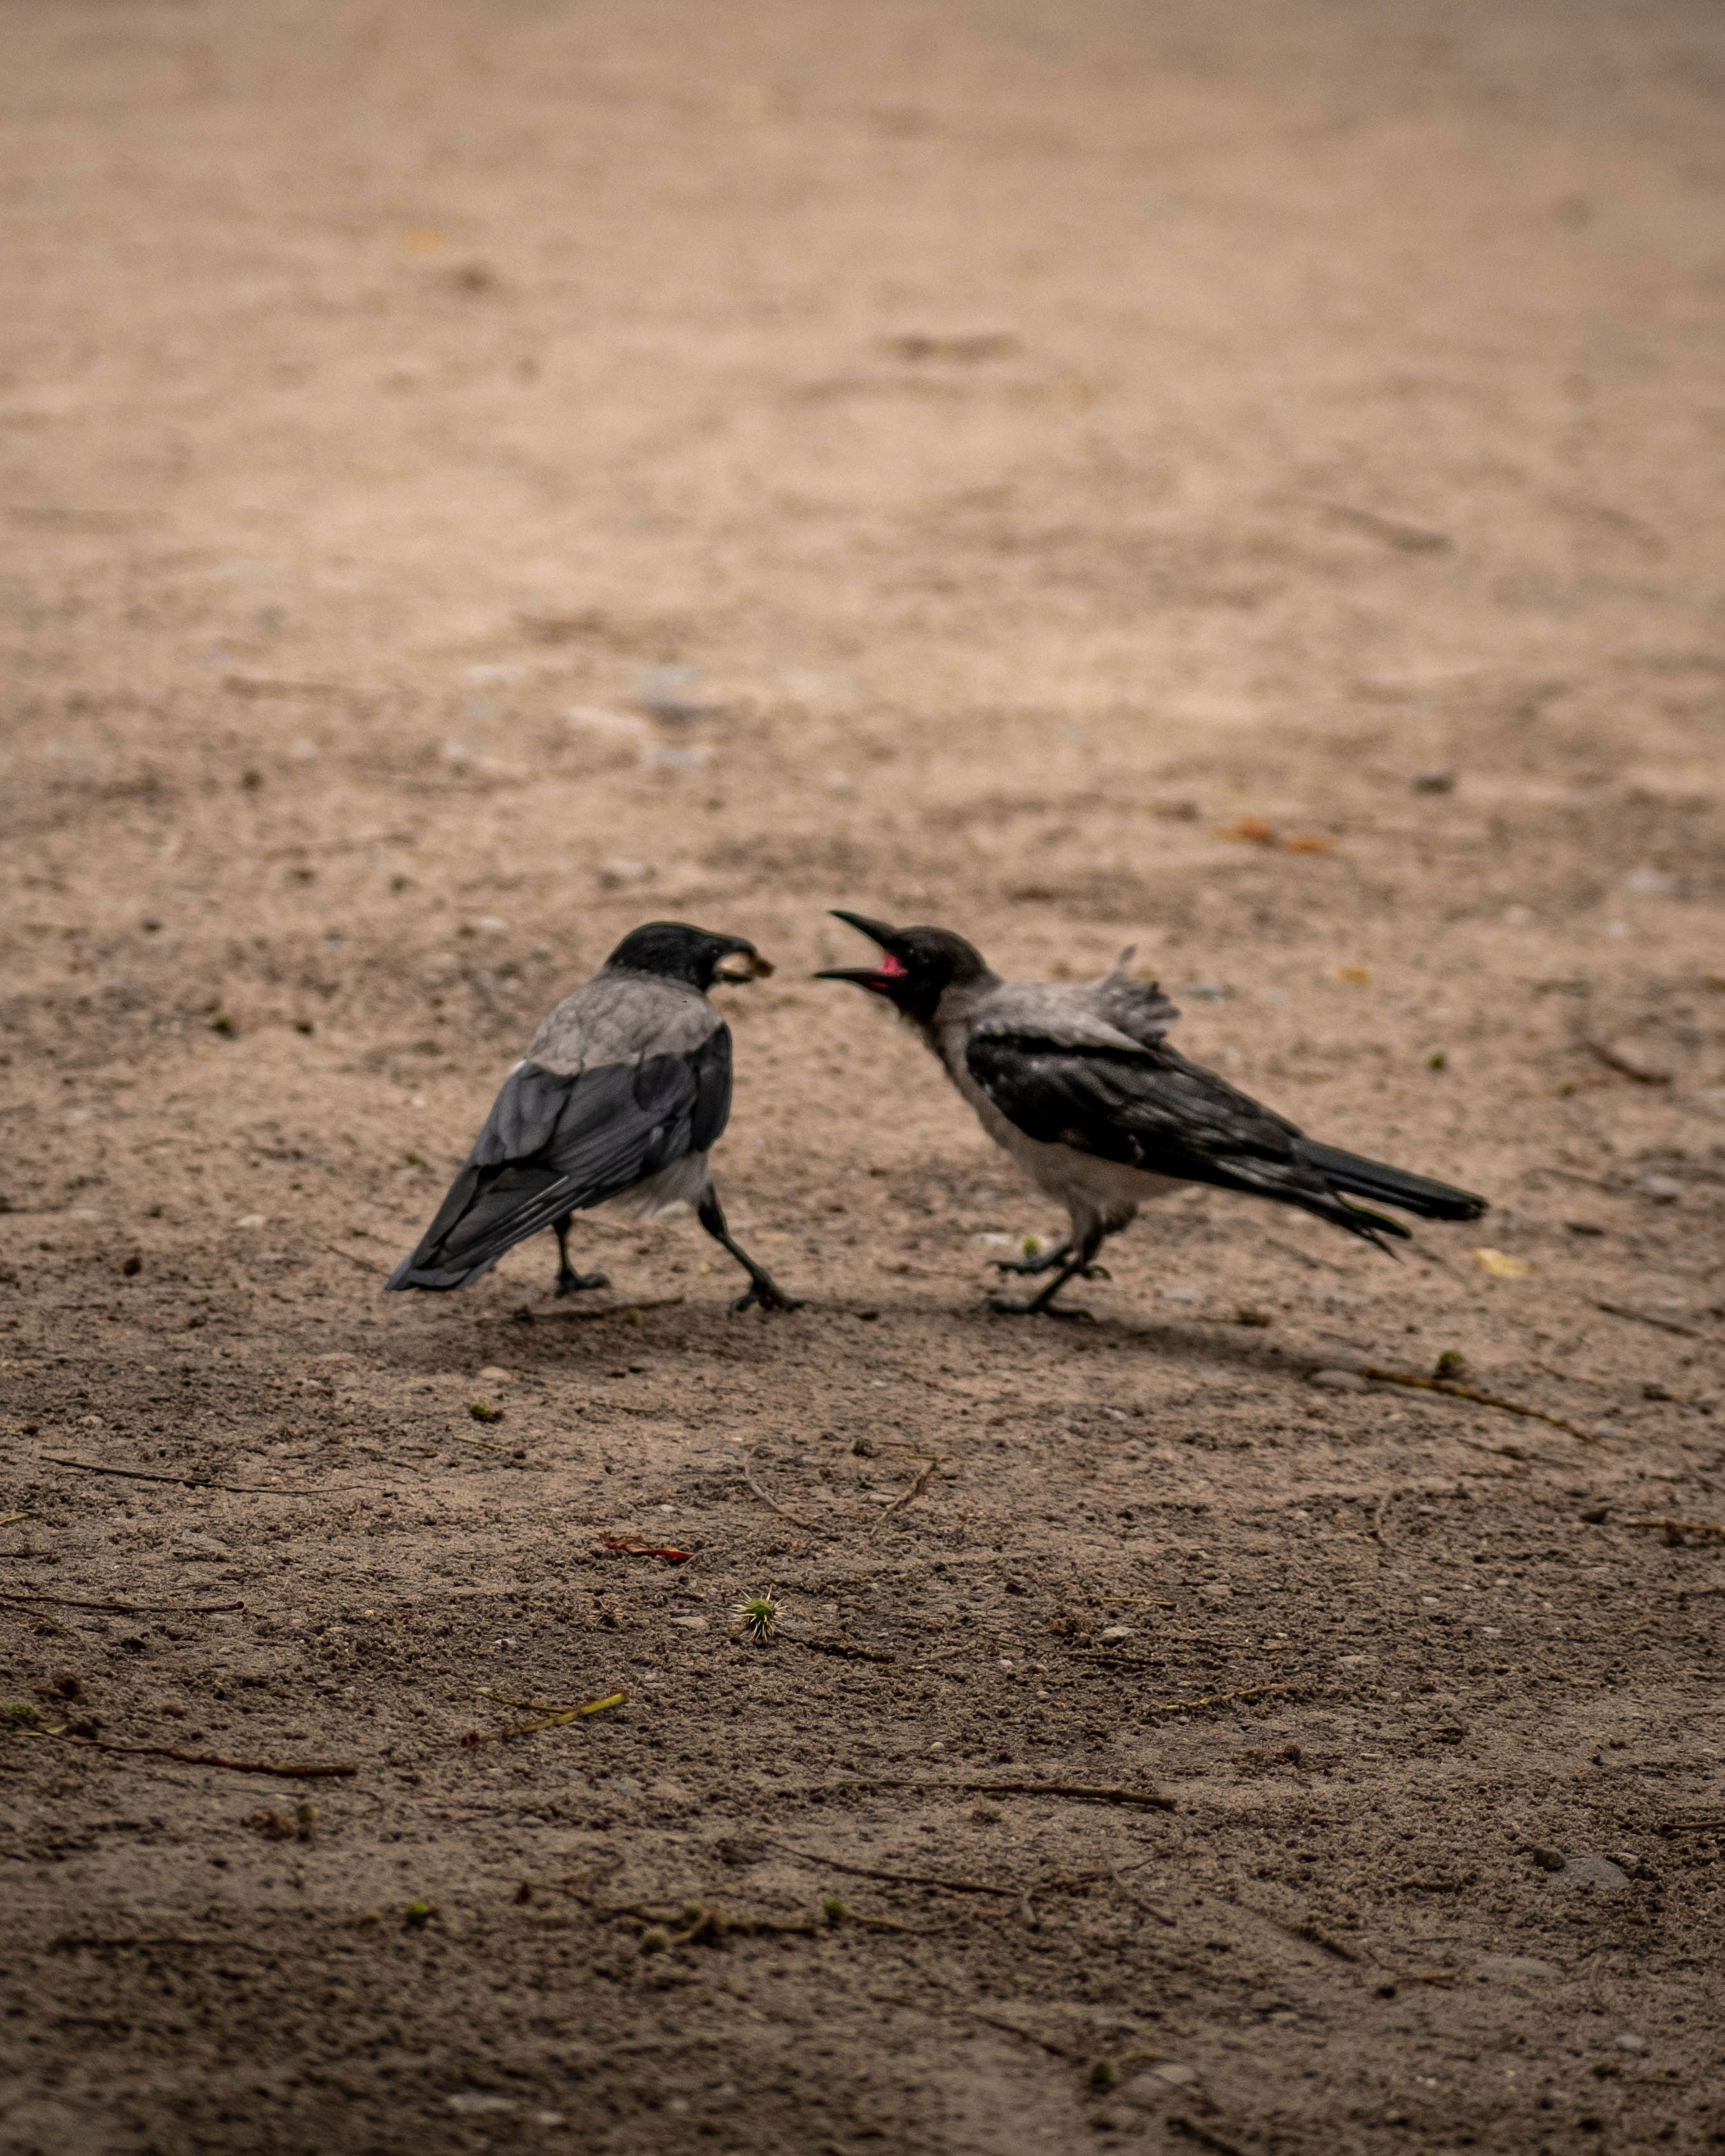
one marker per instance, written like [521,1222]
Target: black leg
[569,1281]
[762,1288]
[1043,1305]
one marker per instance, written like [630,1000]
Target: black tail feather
[1392,1186]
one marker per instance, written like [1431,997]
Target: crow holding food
[622,1096]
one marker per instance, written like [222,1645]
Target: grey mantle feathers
[623,1092]
[1080,1085]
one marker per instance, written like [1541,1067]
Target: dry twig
[1646,1318]
[1483,1400]
[1055,2051]
[915,1489]
[197,1482]
[851,1649]
[821,1863]
[1079,1792]
[127,1608]
[1176,2122]
[303,1770]
[772,1504]
[554,1717]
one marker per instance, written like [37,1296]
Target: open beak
[864,976]
[877,932]
[739,966]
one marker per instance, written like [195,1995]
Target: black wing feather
[1153,1110]
[557,1143]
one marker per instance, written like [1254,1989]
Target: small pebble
[1628,2041]
[1162,2080]
[493,1374]
[1662,1189]
[1111,1634]
[1338,1381]
[1598,1873]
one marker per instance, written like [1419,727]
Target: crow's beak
[864,976]
[877,932]
[738,966]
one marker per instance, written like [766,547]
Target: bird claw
[574,1283]
[1005,1307]
[770,1297]
[1024,1265]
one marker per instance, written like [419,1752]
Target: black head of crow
[917,967]
[676,952]
[620,1098]
[1078,1082]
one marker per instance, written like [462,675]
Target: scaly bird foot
[572,1283]
[768,1295]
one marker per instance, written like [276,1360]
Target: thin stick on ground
[1177,2123]
[1055,2051]
[127,1608]
[1082,1793]
[772,1504]
[823,1863]
[914,1491]
[849,1649]
[1485,1400]
[1646,1318]
[298,1770]
[706,1924]
[553,1718]
[199,1481]
[12,1519]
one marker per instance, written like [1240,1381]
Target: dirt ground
[1242,483]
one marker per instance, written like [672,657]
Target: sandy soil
[475,477]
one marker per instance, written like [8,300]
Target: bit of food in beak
[743,966]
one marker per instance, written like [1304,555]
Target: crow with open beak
[1081,1087]
[620,1098]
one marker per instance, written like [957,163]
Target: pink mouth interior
[891,969]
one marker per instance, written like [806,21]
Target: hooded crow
[623,1092]
[1081,1087]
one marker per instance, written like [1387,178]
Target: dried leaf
[1502,1266]
[633,1546]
